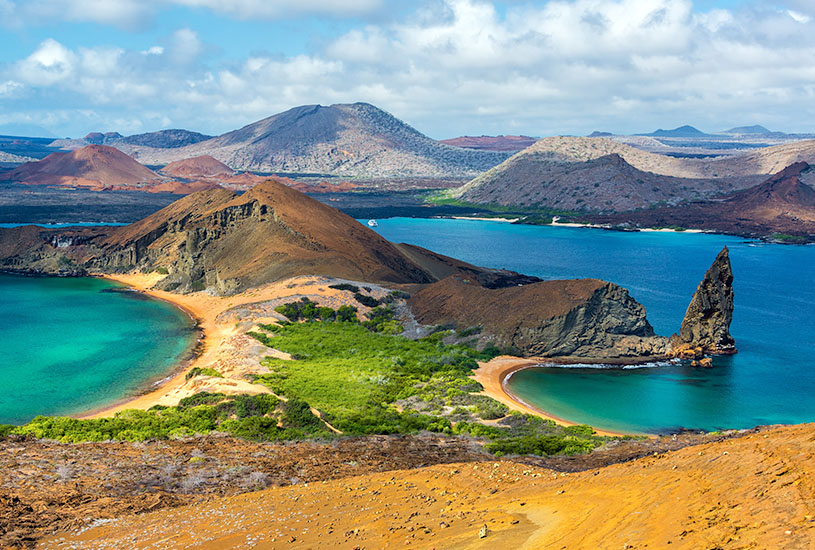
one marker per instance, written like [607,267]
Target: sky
[447,67]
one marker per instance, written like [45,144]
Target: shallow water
[71,345]
[771,379]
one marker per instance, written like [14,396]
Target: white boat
[372,223]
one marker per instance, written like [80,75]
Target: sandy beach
[492,376]
[224,345]
[556,223]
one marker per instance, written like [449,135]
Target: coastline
[556,223]
[177,377]
[493,375]
[223,344]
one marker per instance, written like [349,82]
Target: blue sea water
[772,378]
[72,345]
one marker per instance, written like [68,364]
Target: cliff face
[585,319]
[221,241]
[707,322]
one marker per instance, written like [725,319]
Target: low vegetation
[254,417]
[784,238]
[203,371]
[362,377]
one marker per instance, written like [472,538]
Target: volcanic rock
[588,319]
[225,242]
[355,140]
[707,321]
[783,204]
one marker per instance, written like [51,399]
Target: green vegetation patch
[785,238]
[255,417]
[366,382]
[363,378]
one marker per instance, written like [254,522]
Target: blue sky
[448,67]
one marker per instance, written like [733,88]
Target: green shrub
[162,270]
[347,314]
[365,300]
[579,429]
[345,286]
[197,286]
[326,314]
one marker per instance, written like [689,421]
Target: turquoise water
[771,379]
[71,345]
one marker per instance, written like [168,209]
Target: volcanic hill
[749,491]
[784,203]
[95,167]
[346,139]
[197,167]
[600,174]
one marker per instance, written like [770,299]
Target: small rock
[483,532]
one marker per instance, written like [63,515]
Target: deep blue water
[771,379]
[71,345]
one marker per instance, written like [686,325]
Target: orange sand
[755,492]
[493,374]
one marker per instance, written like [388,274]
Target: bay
[772,378]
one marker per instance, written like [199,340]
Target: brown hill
[754,491]
[604,174]
[586,318]
[95,167]
[203,166]
[226,242]
[785,203]
[229,242]
[511,144]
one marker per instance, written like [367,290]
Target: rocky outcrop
[706,327]
[584,319]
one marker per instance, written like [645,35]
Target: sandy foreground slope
[756,491]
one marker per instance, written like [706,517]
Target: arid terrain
[750,491]
[785,204]
[601,174]
[346,139]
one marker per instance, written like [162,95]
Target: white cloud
[135,14]
[49,64]
[463,66]
[247,9]
[10,88]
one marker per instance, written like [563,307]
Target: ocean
[71,345]
[772,378]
